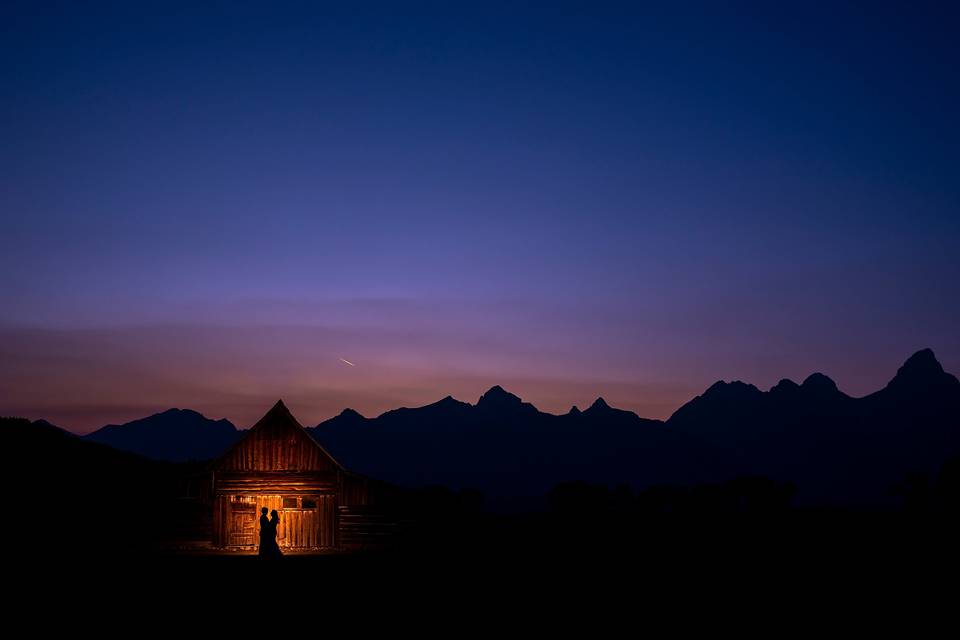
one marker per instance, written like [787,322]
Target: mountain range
[837,449]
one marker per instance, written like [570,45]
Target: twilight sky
[209,207]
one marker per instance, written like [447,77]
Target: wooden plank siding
[294,453]
[290,483]
[355,490]
[218,526]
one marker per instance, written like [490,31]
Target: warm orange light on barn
[278,465]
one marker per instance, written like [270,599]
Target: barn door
[243,523]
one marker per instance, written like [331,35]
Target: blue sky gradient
[209,206]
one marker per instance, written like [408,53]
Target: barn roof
[276,425]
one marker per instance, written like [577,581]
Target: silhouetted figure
[273,547]
[266,539]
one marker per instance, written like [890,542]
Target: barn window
[290,503]
[309,503]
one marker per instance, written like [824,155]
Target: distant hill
[42,446]
[176,435]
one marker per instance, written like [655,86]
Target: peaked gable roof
[277,442]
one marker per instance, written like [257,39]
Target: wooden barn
[278,465]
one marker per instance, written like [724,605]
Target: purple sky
[209,208]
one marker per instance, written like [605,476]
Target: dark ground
[94,535]
[810,573]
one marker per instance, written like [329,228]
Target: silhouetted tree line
[746,495]
[428,502]
[935,494]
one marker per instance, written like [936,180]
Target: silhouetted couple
[269,548]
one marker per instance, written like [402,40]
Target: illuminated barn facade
[278,465]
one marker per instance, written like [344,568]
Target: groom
[266,538]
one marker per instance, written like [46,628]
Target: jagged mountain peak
[819,383]
[732,389]
[599,405]
[496,391]
[177,410]
[922,366]
[923,361]
[786,385]
[498,398]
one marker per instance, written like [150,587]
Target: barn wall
[299,528]
[355,490]
[219,526]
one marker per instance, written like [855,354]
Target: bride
[269,548]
